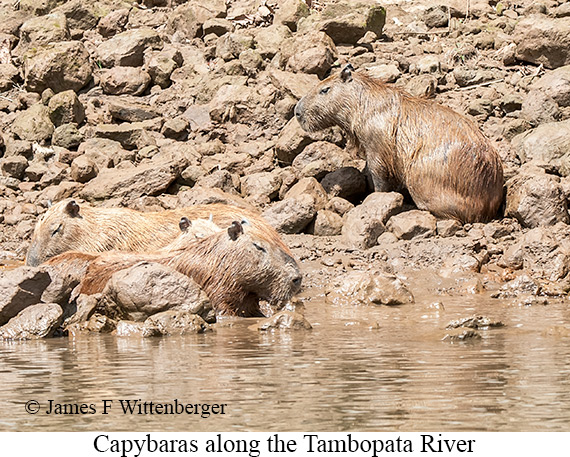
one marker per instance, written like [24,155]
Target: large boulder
[127,48]
[43,30]
[34,124]
[291,215]
[548,143]
[186,21]
[65,108]
[536,198]
[124,80]
[556,84]
[365,223]
[313,53]
[33,322]
[58,66]
[413,224]
[19,289]
[149,288]
[543,40]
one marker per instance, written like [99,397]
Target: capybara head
[329,103]
[236,268]
[57,231]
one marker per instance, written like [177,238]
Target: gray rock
[34,124]
[124,80]
[174,322]
[369,288]
[14,166]
[319,158]
[327,223]
[58,66]
[67,136]
[535,198]
[543,40]
[65,108]
[291,215]
[127,48]
[365,223]
[549,143]
[149,288]
[436,16]
[413,224]
[19,289]
[34,322]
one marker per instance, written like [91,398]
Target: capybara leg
[380,180]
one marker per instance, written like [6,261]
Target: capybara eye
[57,230]
[324,90]
[259,248]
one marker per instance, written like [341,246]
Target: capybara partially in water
[439,156]
[235,267]
[68,226]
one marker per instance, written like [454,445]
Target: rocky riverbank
[166,104]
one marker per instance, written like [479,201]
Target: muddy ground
[165,104]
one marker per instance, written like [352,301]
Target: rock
[221,179]
[413,224]
[346,182]
[556,84]
[543,40]
[124,80]
[563,10]
[347,22]
[217,26]
[422,86]
[251,61]
[129,135]
[105,153]
[535,198]
[38,7]
[308,186]
[83,169]
[161,66]
[34,124]
[175,322]
[369,288]
[459,265]
[387,73]
[113,23]
[67,136]
[19,289]
[296,84]
[14,166]
[289,320]
[80,15]
[339,206]
[128,109]
[447,227]
[43,30]
[290,12]
[548,143]
[150,178]
[365,223]
[148,288]
[539,253]
[268,40]
[176,128]
[465,335]
[264,184]
[9,75]
[476,322]
[127,48]
[291,215]
[58,66]
[65,108]
[34,322]
[313,53]
[319,158]
[436,16]
[327,223]
[186,21]
[539,107]
[231,45]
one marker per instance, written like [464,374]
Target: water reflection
[343,375]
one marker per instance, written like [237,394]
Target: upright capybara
[438,155]
[68,226]
[235,267]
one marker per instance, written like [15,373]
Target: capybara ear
[235,230]
[184,224]
[245,222]
[346,73]
[72,208]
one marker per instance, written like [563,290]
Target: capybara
[68,226]
[235,267]
[438,155]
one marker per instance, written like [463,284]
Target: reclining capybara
[438,155]
[234,267]
[68,226]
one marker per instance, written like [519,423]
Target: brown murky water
[342,375]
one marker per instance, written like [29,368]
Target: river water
[359,369]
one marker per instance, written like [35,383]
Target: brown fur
[67,226]
[439,156]
[234,273]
